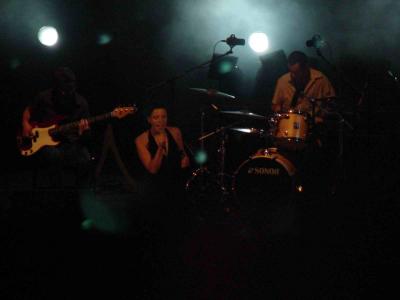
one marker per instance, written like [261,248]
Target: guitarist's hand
[83,125]
[26,129]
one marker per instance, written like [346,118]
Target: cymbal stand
[202,116]
[313,102]
[339,165]
[222,155]
[221,174]
[202,170]
[269,133]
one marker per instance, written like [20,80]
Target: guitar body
[40,138]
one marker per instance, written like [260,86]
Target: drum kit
[267,176]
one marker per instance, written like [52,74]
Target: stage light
[258,41]
[48,36]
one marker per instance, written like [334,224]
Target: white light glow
[258,41]
[48,36]
[104,39]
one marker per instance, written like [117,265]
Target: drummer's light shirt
[318,87]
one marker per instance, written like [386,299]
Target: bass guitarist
[58,105]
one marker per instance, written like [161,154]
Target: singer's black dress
[170,169]
[165,189]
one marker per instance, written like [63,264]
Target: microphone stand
[335,69]
[343,79]
[172,81]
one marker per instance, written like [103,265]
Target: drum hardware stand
[339,157]
[225,191]
[202,115]
[338,166]
[313,103]
[269,133]
[202,169]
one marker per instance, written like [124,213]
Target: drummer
[295,89]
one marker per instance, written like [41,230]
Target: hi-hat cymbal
[213,93]
[241,113]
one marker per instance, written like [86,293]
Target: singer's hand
[162,141]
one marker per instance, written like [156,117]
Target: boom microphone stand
[172,81]
[344,80]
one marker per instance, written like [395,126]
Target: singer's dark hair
[152,106]
[298,57]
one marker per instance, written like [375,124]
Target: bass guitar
[46,135]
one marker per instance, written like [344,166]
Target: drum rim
[294,111]
[193,175]
[292,174]
[292,139]
[268,156]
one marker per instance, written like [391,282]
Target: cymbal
[248,130]
[243,114]
[213,93]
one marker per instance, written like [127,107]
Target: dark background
[153,42]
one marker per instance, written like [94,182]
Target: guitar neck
[73,125]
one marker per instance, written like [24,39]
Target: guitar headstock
[121,112]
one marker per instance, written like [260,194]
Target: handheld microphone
[232,41]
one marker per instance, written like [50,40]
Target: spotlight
[48,36]
[258,41]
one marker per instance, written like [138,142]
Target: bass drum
[264,186]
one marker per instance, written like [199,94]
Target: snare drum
[291,131]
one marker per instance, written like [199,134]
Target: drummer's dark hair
[298,57]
